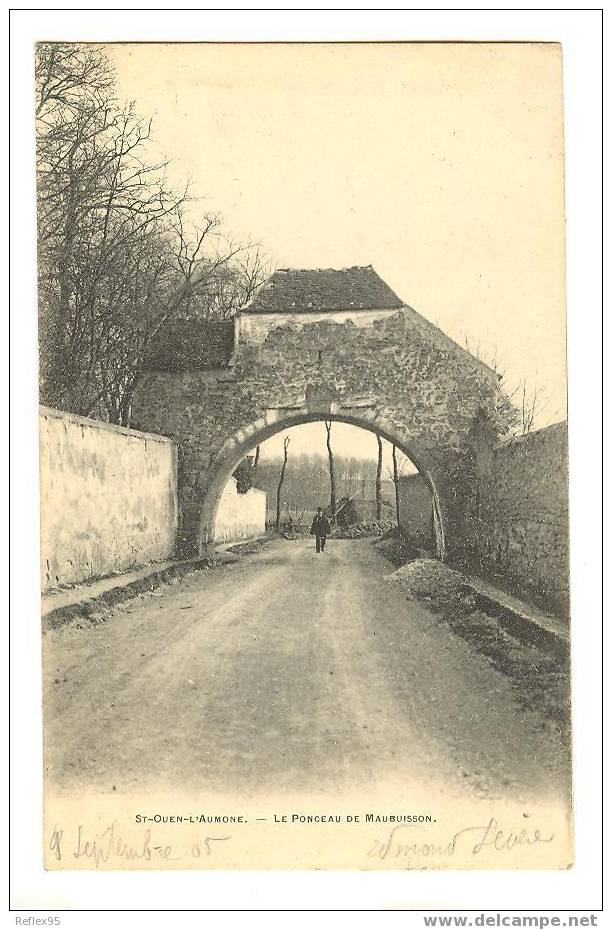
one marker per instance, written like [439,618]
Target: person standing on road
[320,529]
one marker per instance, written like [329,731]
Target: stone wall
[416,511]
[400,377]
[521,527]
[108,498]
[240,516]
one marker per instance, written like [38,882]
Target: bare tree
[64,69]
[200,258]
[518,408]
[117,259]
[396,484]
[99,201]
[281,480]
[306,482]
[332,472]
[233,286]
[379,466]
[532,405]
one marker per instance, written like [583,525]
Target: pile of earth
[431,581]
[396,548]
[360,530]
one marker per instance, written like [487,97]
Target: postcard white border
[579,888]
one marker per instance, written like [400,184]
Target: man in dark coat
[320,529]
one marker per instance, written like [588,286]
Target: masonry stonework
[400,377]
[415,511]
[521,529]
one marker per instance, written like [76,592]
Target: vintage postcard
[303,456]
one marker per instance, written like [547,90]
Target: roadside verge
[59,607]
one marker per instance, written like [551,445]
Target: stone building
[312,345]
[300,296]
[317,344]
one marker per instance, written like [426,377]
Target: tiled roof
[312,290]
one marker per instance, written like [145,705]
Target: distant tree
[379,466]
[306,481]
[332,472]
[281,480]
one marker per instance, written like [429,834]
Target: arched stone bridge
[384,368]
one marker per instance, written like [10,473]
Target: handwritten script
[471,840]
[108,846]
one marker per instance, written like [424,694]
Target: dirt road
[292,670]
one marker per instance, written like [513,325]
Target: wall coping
[435,332]
[100,424]
[290,312]
[559,427]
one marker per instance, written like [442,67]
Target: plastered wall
[108,498]
[240,516]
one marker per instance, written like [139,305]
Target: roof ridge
[328,268]
[305,290]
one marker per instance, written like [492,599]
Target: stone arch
[399,377]
[275,421]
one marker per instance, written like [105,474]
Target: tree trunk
[280,483]
[332,474]
[379,466]
[125,410]
[395,482]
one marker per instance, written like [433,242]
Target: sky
[439,164]
[347,440]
